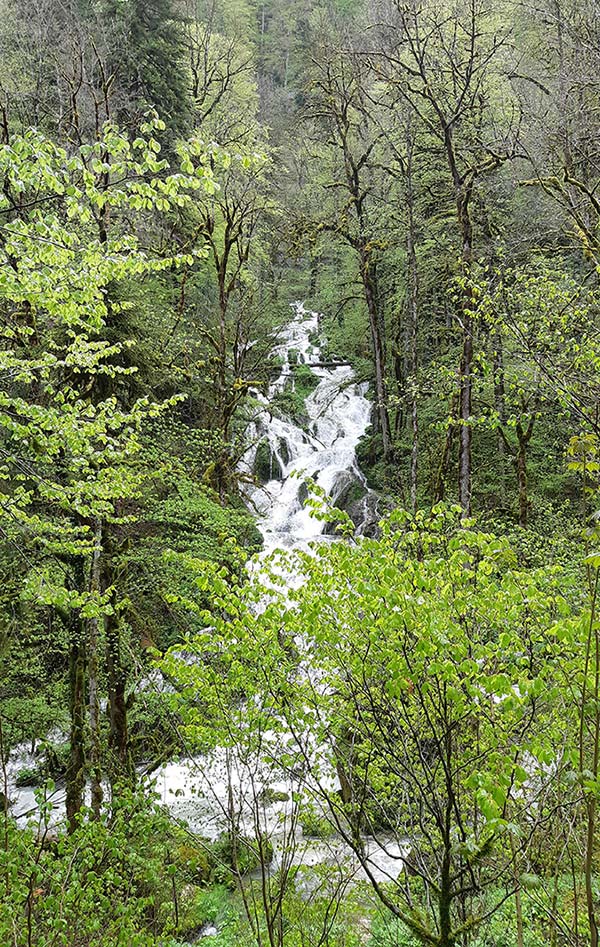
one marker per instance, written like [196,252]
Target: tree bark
[463,197]
[378,355]
[93,688]
[522,479]
[118,739]
[75,776]
[413,323]
[500,404]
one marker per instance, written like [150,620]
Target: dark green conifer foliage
[147,60]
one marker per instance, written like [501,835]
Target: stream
[198,791]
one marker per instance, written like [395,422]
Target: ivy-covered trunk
[75,776]
[93,679]
[121,769]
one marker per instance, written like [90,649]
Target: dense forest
[299,473]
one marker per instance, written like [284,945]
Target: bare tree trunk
[466,362]
[378,355]
[413,323]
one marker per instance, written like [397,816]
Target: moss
[266,466]
[291,402]
[52,762]
[205,906]
[314,825]
[223,854]
[368,454]
[192,861]
[29,776]
[271,796]
[283,450]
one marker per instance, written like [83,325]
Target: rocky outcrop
[351,495]
[267,465]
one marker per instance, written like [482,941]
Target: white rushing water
[338,414]
[200,791]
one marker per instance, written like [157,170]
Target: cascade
[338,415]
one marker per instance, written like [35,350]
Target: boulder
[350,494]
[266,465]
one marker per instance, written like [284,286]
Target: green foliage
[106,883]
[291,402]
[431,608]
[148,59]
[233,855]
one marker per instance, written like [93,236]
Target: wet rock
[284,451]
[266,465]
[360,503]
[271,796]
[302,494]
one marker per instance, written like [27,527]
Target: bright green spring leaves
[74,225]
[417,683]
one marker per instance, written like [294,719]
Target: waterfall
[338,415]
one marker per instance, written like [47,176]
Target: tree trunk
[466,363]
[500,405]
[121,769]
[591,698]
[118,740]
[445,897]
[465,403]
[75,775]
[522,479]
[523,438]
[378,355]
[413,323]
[93,694]
[439,490]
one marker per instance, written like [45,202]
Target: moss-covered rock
[192,860]
[284,452]
[266,466]
[229,856]
[315,825]
[291,402]
[271,796]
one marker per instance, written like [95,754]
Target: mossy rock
[266,466]
[315,825]
[303,494]
[291,402]
[52,761]
[193,862]
[30,776]
[272,796]
[247,858]
[284,452]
